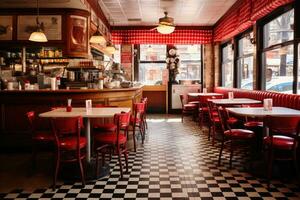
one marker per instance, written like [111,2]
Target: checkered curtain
[148,36]
[243,15]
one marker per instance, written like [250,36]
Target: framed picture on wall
[78,34]
[6,27]
[50,24]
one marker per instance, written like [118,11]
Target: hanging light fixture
[110,48]
[38,35]
[97,37]
[166,24]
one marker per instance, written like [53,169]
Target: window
[245,62]
[152,66]
[279,30]
[278,53]
[190,62]
[227,66]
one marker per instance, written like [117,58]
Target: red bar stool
[39,137]
[70,145]
[137,121]
[233,136]
[282,142]
[188,108]
[115,140]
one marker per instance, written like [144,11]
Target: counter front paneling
[15,104]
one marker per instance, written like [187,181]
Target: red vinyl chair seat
[230,121]
[253,124]
[194,102]
[43,136]
[203,109]
[189,106]
[280,142]
[239,134]
[110,127]
[70,143]
[110,138]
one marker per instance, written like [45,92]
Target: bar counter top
[72,90]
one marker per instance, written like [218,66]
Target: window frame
[223,45]
[261,49]
[201,61]
[137,60]
[238,78]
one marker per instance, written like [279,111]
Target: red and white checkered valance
[242,15]
[148,36]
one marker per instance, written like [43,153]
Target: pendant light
[38,35]
[166,24]
[110,48]
[97,37]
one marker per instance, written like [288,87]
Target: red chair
[39,137]
[105,126]
[282,141]
[138,121]
[69,143]
[188,109]
[203,108]
[215,125]
[233,136]
[116,140]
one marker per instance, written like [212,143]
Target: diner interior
[150,99]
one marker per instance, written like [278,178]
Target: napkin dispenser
[230,95]
[268,103]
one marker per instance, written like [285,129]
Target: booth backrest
[279,99]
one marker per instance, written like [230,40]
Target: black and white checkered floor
[176,162]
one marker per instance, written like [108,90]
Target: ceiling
[147,12]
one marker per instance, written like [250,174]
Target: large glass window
[278,60]
[152,65]
[227,66]
[190,62]
[245,62]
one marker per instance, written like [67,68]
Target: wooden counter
[14,105]
[157,98]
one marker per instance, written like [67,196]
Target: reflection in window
[152,66]
[152,52]
[227,66]
[190,62]
[245,62]
[280,29]
[279,69]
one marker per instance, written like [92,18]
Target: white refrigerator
[182,89]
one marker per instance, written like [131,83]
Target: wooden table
[234,101]
[94,113]
[204,94]
[260,112]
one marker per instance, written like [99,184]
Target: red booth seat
[279,99]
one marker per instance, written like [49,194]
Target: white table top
[204,94]
[94,113]
[260,112]
[234,101]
